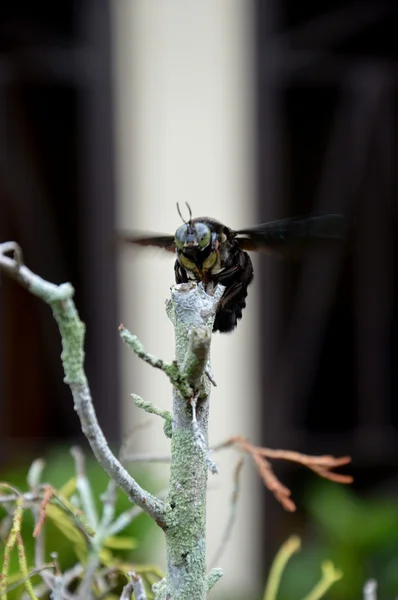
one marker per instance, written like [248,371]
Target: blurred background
[113,111]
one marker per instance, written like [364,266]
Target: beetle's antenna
[190,213]
[179,212]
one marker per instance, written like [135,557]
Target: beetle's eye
[180,236]
[204,235]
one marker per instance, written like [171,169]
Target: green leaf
[68,528]
[120,543]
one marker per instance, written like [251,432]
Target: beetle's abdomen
[236,279]
[227,318]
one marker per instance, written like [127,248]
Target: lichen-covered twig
[212,578]
[151,408]
[72,330]
[155,410]
[196,358]
[176,377]
[183,514]
[190,308]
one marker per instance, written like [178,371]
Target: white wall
[184,88]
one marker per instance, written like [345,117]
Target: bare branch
[154,458]
[31,573]
[48,494]
[232,514]
[210,376]
[321,465]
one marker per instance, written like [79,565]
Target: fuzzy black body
[232,268]
[208,251]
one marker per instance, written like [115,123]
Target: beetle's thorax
[205,264]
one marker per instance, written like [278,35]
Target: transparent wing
[147,239]
[295,235]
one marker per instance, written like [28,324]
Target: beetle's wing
[292,236]
[148,239]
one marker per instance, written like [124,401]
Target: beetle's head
[190,237]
